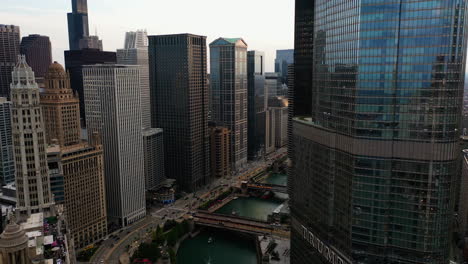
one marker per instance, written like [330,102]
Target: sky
[266,25]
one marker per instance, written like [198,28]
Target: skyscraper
[257,103]
[179,105]
[60,108]
[9,51]
[375,164]
[220,156]
[228,62]
[74,62]
[282,60]
[38,51]
[32,176]
[136,53]
[7,161]
[112,100]
[78,28]
[76,167]
[153,144]
[303,57]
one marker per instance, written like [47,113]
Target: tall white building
[136,39]
[32,176]
[136,53]
[112,100]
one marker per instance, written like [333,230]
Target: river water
[250,207]
[226,248]
[277,179]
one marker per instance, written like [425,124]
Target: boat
[234,212]
[210,240]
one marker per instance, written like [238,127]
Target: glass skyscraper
[374,165]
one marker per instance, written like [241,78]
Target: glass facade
[228,62]
[257,103]
[375,167]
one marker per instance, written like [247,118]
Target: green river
[250,207]
[277,179]
[225,248]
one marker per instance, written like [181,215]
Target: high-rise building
[112,100]
[136,39]
[29,142]
[303,57]
[60,108]
[78,26]
[7,161]
[74,62]
[278,108]
[257,104]
[375,164]
[77,182]
[136,53]
[9,51]
[38,52]
[179,105]
[228,62]
[14,244]
[220,156]
[284,58]
[153,144]
[76,168]
[273,84]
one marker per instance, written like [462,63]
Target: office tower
[179,105]
[228,62]
[136,39]
[303,56]
[60,108]
[112,100]
[76,167]
[78,27]
[257,103]
[90,42]
[7,161]
[278,108]
[9,51]
[283,59]
[77,182]
[74,62]
[273,84]
[136,53]
[220,156]
[38,52]
[57,181]
[32,176]
[375,164]
[153,145]
[463,198]
[270,131]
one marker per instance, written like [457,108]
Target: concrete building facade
[29,141]
[220,156]
[112,100]
[153,145]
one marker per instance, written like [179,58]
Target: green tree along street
[162,238]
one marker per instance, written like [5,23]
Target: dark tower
[38,51]
[179,103]
[78,27]
[9,51]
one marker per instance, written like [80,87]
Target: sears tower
[78,27]
[375,151]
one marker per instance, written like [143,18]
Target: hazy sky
[265,25]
